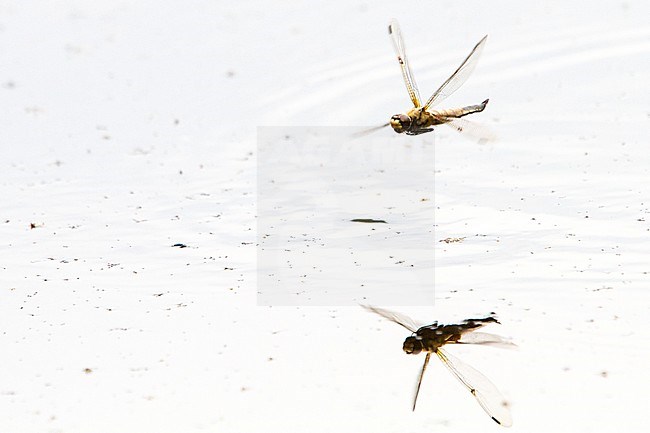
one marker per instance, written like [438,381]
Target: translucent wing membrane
[481,133]
[459,77]
[486,339]
[400,50]
[398,318]
[369,131]
[487,395]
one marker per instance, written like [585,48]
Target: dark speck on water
[368,220]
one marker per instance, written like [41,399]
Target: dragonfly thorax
[413,345]
[400,123]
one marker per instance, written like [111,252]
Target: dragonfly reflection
[421,118]
[431,338]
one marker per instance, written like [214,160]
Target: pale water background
[335,224]
[130,127]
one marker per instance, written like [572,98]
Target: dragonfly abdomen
[458,112]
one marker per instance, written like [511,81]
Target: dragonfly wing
[369,130]
[482,134]
[417,389]
[398,43]
[398,318]
[459,77]
[487,395]
[486,339]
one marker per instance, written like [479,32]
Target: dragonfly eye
[412,345]
[400,123]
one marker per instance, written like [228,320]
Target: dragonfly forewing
[407,74]
[485,392]
[459,77]
[400,319]
[417,388]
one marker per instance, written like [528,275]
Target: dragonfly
[431,338]
[422,118]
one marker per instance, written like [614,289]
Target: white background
[127,127]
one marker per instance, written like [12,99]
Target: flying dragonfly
[422,118]
[431,338]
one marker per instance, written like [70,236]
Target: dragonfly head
[412,345]
[400,123]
